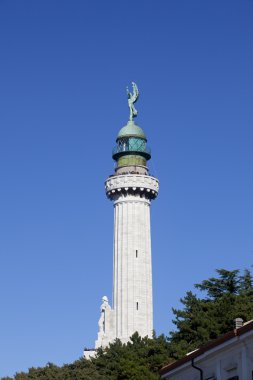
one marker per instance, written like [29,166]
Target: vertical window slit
[136,253]
[137,305]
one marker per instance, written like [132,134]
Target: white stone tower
[131,189]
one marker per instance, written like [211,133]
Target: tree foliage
[201,319]
[227,297]
[141,359]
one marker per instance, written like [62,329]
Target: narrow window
[137,305]
[136,253]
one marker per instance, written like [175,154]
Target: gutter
[199,369]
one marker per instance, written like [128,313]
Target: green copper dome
[131,129]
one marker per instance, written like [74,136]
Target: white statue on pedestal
[104,323]
[101,322]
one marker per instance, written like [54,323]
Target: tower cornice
[145,185]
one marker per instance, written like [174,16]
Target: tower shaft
[132,269]
[132,288]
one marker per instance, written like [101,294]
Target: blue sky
[63,71]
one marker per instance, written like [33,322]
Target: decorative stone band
[132,184]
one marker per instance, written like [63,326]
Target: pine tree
[246,283]
[203,319]
[227,282]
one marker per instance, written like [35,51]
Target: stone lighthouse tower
[131,189]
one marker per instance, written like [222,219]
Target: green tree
[226,283]
[203,319]
[141,358]
[246,283]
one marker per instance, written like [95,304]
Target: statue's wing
[135,92]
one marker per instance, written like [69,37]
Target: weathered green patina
[131,148]
[132,98]
[131,129]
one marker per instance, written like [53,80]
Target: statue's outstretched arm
[129,95]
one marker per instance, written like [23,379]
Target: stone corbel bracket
[132,184]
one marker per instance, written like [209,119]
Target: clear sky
[64,66]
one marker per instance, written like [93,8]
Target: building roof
[215,343]
[131,129]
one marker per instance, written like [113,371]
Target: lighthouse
[131,189]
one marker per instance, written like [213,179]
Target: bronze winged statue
[132,98]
